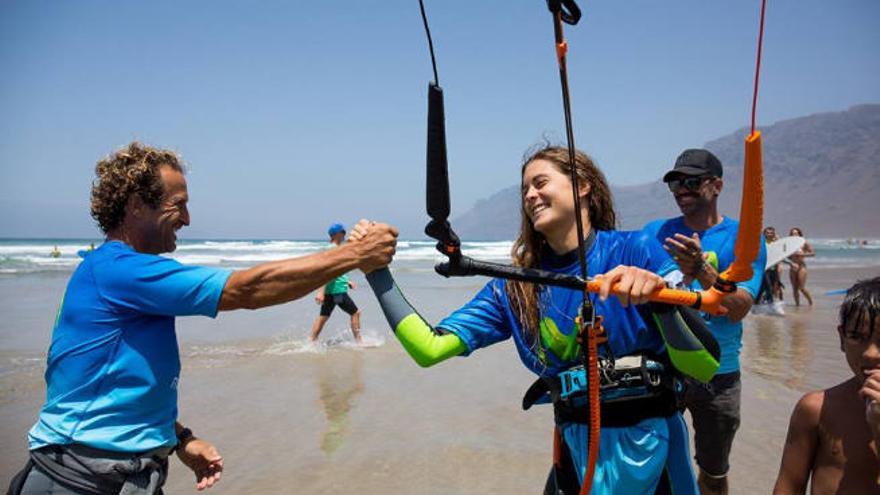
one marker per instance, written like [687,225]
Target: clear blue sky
[292,115]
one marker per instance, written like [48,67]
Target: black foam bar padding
[437,179]
[700,329]
[464,266]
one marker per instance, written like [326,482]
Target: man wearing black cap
[701,242]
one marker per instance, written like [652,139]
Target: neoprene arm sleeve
[426,345]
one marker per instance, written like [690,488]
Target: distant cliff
[821,173]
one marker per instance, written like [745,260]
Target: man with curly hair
[109,421]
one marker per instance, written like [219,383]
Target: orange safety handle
[707,300]
[751,214]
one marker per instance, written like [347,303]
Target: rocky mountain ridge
[821,173]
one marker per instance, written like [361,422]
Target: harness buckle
[630,377]
[572,382]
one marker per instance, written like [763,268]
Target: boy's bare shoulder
[821,406]
[808,409]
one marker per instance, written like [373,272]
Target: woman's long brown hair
[526,251]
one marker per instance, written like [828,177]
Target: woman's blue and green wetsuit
[632,459]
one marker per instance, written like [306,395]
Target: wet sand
[370,421]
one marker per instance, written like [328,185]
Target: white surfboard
[781,249]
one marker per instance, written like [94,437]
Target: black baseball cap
[695,162]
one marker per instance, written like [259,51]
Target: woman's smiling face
[547,198]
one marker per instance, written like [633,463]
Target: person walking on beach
[701,242]
[797,272]
[834,434]
[771,284]
[335,293]
[644,442]
[110,420]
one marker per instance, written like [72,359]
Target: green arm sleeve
[690,344]
[425,345]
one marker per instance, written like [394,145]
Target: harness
[631,389]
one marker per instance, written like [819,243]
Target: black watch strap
[184,435]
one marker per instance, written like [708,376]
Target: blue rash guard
[631,458]
[113,365]
[719,239]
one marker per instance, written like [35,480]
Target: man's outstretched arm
[281,281]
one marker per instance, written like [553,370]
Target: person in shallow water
[771,283]
[834,434]
[335,293]
[644,444]
[798,269]
[109,422]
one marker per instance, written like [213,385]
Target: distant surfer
[55,253]
[798,269]
[109,423]
[335,293]
[771,285]
[701,241]
[778,286]
[834,434]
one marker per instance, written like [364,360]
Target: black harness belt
[632,389]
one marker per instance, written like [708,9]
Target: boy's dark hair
[862,302]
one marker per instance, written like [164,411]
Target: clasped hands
[377,243]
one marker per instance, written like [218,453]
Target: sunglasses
[691,184]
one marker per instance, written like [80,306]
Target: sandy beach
[293,419]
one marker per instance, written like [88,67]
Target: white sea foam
[329,341]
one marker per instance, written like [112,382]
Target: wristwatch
[184,435]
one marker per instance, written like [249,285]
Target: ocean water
[20,257]
[30,256]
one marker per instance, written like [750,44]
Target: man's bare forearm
[282,281]
[738,304]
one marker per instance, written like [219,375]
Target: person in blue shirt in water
[644,445]
[701,242]
[110,421]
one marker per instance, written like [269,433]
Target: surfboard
[781,249]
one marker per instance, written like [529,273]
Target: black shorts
[341,300]
[715,412]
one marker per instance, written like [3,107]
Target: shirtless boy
[833,434]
